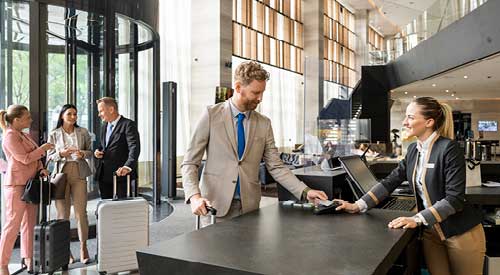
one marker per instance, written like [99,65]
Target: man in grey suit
[236,138]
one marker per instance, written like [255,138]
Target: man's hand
[98,154]
[404,222]
[199,205]
[315,196]
[347,207]
[123,171]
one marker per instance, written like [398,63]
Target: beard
[252,105]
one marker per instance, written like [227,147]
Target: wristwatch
[304,193]
[418,220]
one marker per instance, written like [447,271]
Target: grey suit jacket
[215,135]
[56,137]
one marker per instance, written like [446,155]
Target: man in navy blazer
[118,150]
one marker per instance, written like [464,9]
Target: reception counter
[283,240]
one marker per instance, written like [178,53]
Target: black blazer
[443,181]
[123,149]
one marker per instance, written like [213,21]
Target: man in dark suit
[118,151]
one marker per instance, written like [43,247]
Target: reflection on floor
[169,220]
[77,271]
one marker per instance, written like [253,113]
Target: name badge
[429,165]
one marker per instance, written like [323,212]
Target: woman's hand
[79,154]
[67,152]
[404,222]
[347,207]
[47,146]
[44,173]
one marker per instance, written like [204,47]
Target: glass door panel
[145,118]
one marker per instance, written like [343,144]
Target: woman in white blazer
[72,148]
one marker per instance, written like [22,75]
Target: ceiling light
[466,77]
[406,93]
[457,97]
[414,96]
[433,84]
[447,91]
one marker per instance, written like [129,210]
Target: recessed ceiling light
[457,97]
[406,93]
[466,77]
[414,96]
[452,94]
[447,91]
[433,84]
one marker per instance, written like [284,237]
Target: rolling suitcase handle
[40,214]
[115,195]
[212,212]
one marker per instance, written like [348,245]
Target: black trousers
[106,188]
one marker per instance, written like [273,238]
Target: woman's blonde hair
[12,112]
[440,112]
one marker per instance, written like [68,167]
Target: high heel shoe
[24,266]
[84,256]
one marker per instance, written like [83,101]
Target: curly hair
[249,71]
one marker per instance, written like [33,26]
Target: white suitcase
[122,229]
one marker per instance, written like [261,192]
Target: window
[269,31]
[339,61]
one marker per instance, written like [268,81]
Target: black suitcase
[51,243]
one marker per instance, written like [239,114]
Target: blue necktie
[241,146]
[108,132]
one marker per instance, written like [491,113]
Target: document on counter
[491,184]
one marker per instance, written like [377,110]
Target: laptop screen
[359,172]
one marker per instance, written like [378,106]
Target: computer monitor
[487,125]
[359,172]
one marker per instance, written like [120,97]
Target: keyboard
[400,204]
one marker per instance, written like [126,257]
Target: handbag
[472,173]
[58,181]
[32,190]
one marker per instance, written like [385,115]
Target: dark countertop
[483,195]
[282,240]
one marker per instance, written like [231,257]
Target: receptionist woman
[453,237]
